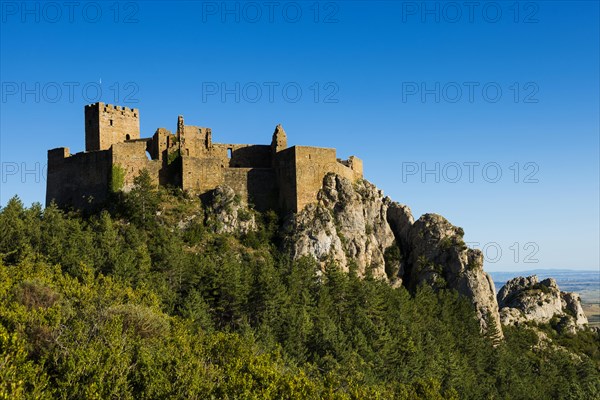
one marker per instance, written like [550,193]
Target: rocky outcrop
[572,306]
[347,225]
[227,214]
[526,299]
[437,256]
[355,223]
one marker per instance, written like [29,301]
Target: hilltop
[164,294]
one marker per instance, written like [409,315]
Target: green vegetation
[173,156]
[392,259]
[540,287]
[122,304]
[117,178]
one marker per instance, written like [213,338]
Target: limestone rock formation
[355,223]
[437,255]
[347,224]
[527,299]
[227,213]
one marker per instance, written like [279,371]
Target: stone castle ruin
[271,176]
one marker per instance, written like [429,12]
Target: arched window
[127,137]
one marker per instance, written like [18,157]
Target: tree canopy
[124,304]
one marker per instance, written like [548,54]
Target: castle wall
[80,180]
[255,186]
[312,164]
[243,155]
[160,143]
[106,125]
[195,141]
[355,164]
[131,157]
[201,174]
[285,170]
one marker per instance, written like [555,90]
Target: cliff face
[527,299]
[355,223]
[348,224]
[438,256]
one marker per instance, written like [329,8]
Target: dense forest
[129,303]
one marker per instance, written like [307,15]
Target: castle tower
[106,125]
[279,141]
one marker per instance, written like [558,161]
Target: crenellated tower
[106,125]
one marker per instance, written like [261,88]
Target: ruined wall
[255,186]
[355,164]
[106,125]
[131,157]
[243,155]
[195,141]
[161,141]
[80,180]
[312,164]
[285,171]
[279,139]
[201,175]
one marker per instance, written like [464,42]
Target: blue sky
[463,93]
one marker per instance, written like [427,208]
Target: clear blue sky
[406,86]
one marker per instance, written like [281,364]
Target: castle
[271,176]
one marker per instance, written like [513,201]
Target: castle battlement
[112,108]
[268,176]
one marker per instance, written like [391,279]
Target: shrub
[36,295]
[392,258]
[117,178]
[142,320]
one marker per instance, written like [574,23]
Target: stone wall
[195,141]
[255,186]
[162,140]
[311,166]
[243,155]
[132,158]
[201,175]
[285,170]
[80,180]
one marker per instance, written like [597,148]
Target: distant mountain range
[584,282]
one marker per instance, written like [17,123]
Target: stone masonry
[271,176]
